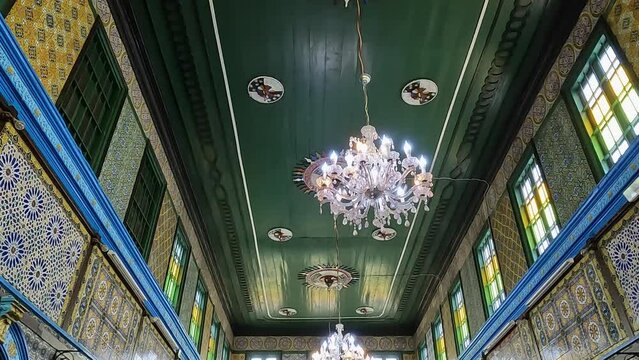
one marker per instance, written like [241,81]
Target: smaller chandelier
[340,347]
[371,175]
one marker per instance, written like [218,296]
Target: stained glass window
[174,282]
[197,314]
[215,329]
[535,208]
[423,352]
[460,320]
[609,103]
[492,285]
[438,338]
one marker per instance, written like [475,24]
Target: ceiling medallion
[306,172]
[365,310]
[330,277]
[287,311]
[384,234]
[280,234]
[265,89]
[419,92]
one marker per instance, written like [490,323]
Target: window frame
[179,229]
[263,355]
[438,322]
[570,86]
[154,163]
[529,153]
[423,351]
[488,311]
[457,285]
[215,325]
[205,295]
[96,33]
[384,355]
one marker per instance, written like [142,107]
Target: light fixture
[371,176]
[340,346]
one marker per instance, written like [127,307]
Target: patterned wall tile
[566,168]
[518,344]
[146,122]
[106,316]
[508,246]
[577,319]
[163,240]
[623,20]
[206,331]
[430,346]
[122,160]
[37,348]
[449,333]
[42,241]
[294,356]
[151,345]
[51,34]
[472,296]
[242,356]
[188,293]
[620,248]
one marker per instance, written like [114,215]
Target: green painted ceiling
[236,161]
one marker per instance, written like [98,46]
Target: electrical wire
[365,78]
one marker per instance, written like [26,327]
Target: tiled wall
[550,127]
[567,171]
[508,245]
[163,240]
[151,345]
[472,295]
[42,241]
[106,316]
[123,160]
[52,34]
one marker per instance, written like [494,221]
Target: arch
[14,346]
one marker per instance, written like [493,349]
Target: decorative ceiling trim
[509,39]
[243,174]
[312,343]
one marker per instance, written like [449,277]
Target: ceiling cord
[365,78]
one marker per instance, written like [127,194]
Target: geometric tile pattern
[622,20]
[519,344]
[146,122]
[106,316]
[151,345]
[449,333]
[548,94]
[163,240]
[51,33]
[206,333]
[122,160]
[188,295]
[42,242]
[294,356]
[566,167]
[37,348]
[472,295]
[620,248]
[312,343]
[508,247]
[577,319]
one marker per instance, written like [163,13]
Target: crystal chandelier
[371,176]
[340,347]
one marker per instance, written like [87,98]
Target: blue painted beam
[46,128]
[594,214]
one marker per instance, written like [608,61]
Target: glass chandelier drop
[371,176]
[340,346]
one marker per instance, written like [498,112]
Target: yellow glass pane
[543,193]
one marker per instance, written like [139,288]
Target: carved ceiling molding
[312,343]
[544,101]
[507,44]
